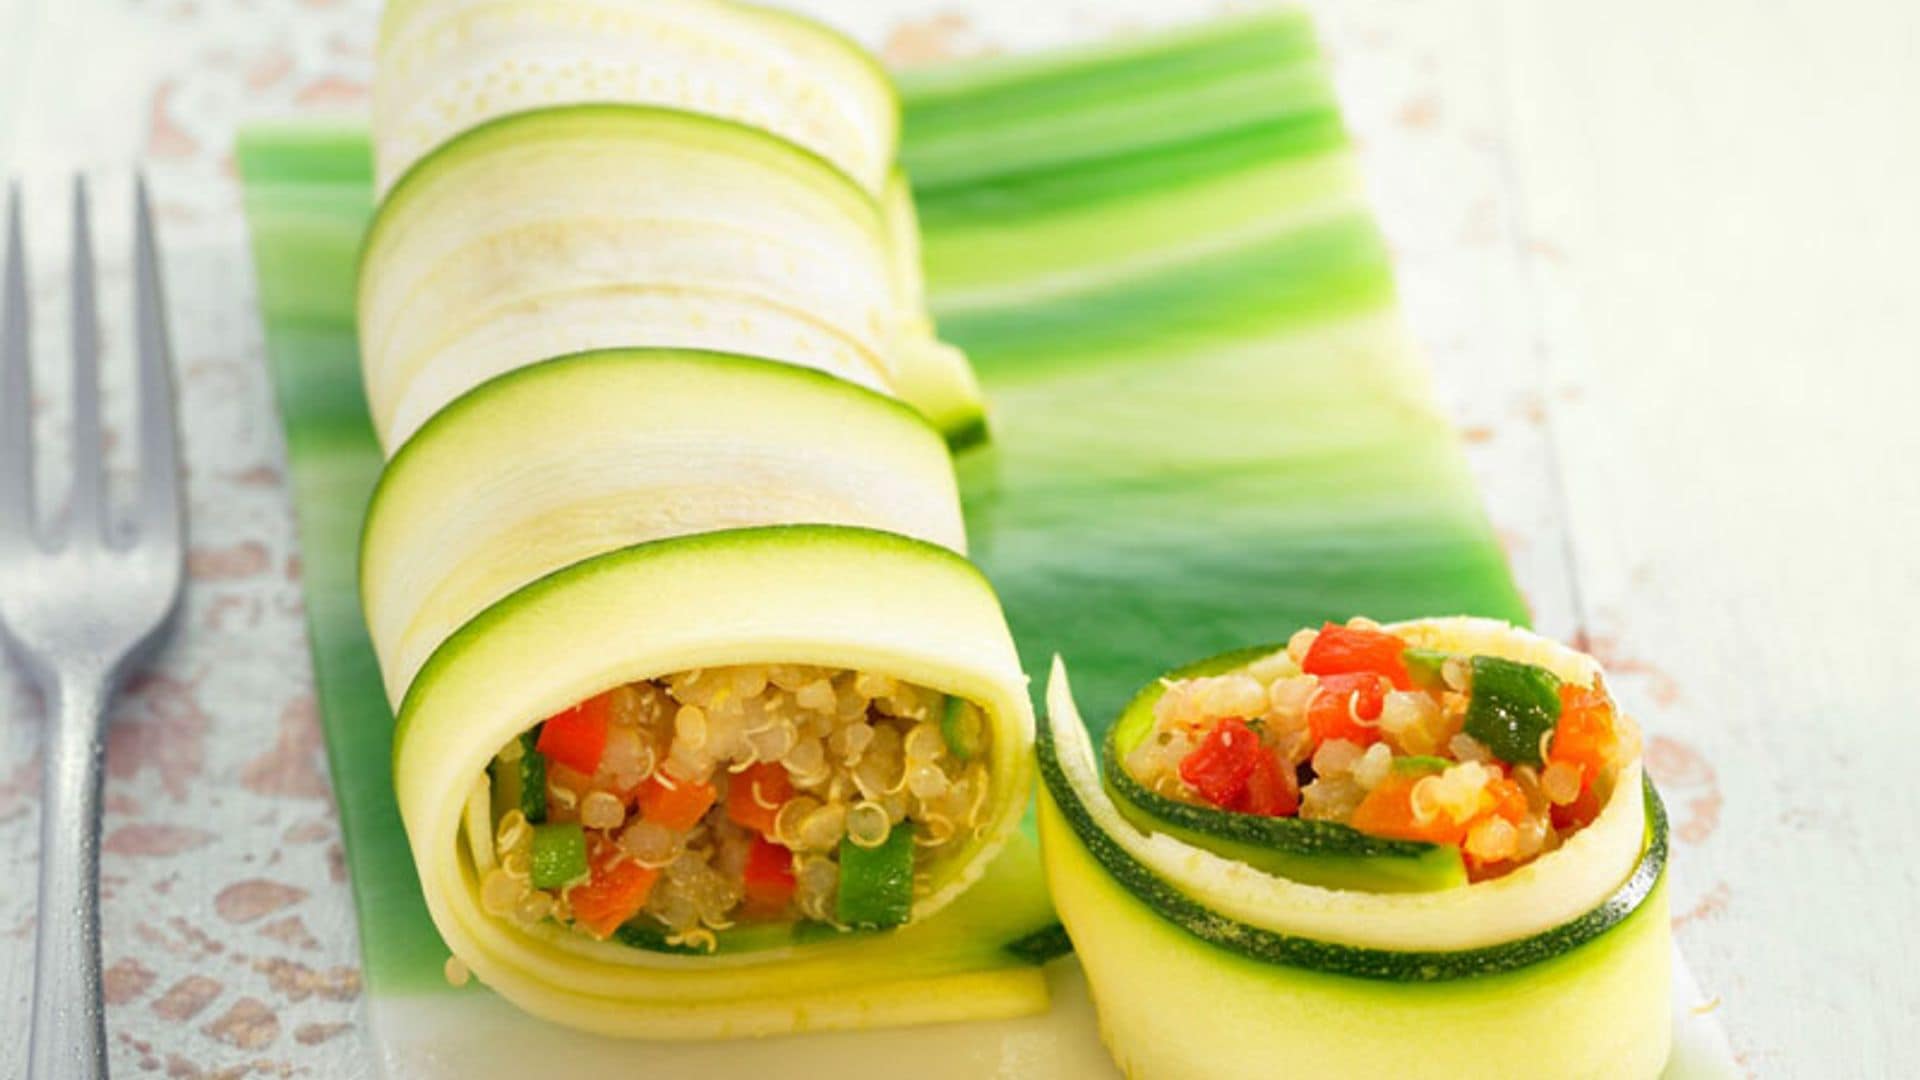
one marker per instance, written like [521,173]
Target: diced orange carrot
[755,796]
[1585,735]
[615,891]
[1508,800]
[675,803]
[1388,811]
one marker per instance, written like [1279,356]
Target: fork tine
[89,516]
[16,389]
[159,505]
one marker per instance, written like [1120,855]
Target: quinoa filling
[670,809]
[1350,724]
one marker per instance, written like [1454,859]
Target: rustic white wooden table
[1661,256]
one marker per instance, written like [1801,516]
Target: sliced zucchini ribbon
[566,175]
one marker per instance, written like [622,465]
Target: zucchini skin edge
[1269,947]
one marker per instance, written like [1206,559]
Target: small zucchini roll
[446,65]
[528,238]
[1422,849]
[769,216]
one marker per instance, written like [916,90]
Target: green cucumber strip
[1512,706]
[1423,667]
[876,883]
[642,932]
[960,726]
[1042,945]
[559,854]
[521,784]
[1420,763]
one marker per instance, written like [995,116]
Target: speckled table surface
[1654,277]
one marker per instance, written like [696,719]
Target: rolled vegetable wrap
[705,725]
[1425,849]
[759,741]
[677,790]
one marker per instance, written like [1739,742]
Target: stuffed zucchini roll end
[733,783]
[1423,849]
[703,800]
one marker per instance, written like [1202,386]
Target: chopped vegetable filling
[783,792]
[1351,724]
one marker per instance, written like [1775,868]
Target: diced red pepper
[675,803]
[1272,789]
[769,880]
[754,797]
[1508,800]
[1585,735]
[1218,768]
[1388,811]
[577,737]
[1342,650]
[614,892]
[1340,698]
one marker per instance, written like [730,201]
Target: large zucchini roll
[658,722]
[1426,849]
[705,724]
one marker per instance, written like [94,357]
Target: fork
[81,605]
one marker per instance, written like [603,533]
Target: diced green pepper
[960,725]
[559,855]
[642,932]
[1512,707]
[1415,764]
[1423,667]
[876,883]
[521,784]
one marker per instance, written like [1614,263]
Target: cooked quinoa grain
[717,796]
[1349,724]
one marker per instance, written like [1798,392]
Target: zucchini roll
[705,724]
[561,176]
[446,67]
[1423,849]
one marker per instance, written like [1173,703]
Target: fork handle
[69,1028]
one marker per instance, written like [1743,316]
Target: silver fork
[81,606]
